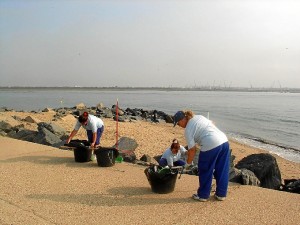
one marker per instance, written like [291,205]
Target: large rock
[55,129]
[49,134]
[169,119]
[80,106]
[25,135]
[147,158]
[32,119]
[126,147]
[47,110]
[243,176]
[291,185]
[100,106]
[265,168]
[104,112]
[114,110]
[128,155]
[126,143]
[46,137]
[5,126]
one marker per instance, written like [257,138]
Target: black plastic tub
[161,183]
[82,151]
[106,157]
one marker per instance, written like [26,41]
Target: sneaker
[220,198]
[196,197]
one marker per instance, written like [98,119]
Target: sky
[150,43]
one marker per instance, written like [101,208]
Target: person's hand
[93,145]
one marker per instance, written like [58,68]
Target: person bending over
[94,129]
[214,156]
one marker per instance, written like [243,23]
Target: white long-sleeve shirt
[171,158]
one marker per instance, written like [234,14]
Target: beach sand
[43,185]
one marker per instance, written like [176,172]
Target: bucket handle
[112,156]
[179,168]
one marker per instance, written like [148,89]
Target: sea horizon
[170,88]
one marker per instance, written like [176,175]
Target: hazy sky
[150,43]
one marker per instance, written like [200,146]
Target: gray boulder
[126,143]
[23,134]
[55,129]
[5,126]
[243,176]
[126,147]
[46,137]
[128,156]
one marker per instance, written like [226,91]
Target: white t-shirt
[93,123]
[202,131]
[171,158]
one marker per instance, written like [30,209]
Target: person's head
[83,118]
[175,146]
[181,118]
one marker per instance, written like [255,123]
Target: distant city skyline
[171,43]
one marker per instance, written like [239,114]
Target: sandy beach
[43,185]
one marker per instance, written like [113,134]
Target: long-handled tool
[119,157]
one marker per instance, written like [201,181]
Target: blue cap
[178,116]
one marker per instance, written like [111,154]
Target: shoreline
[152,138]
[287,152]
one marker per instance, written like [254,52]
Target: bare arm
[94,140]
[73,133]
[191,154]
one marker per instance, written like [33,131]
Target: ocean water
[268,120]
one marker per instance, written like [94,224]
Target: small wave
[286,152]
[289,121]
[264,141]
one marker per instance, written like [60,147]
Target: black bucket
[82,151]
[106,156]
[161,183]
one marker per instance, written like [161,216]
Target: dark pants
[163,162]
[99,134]
[214,162]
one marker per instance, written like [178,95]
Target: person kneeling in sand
[173,155]
[94,129]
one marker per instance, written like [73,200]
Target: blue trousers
[215,163]
[99,134]
[163,162]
